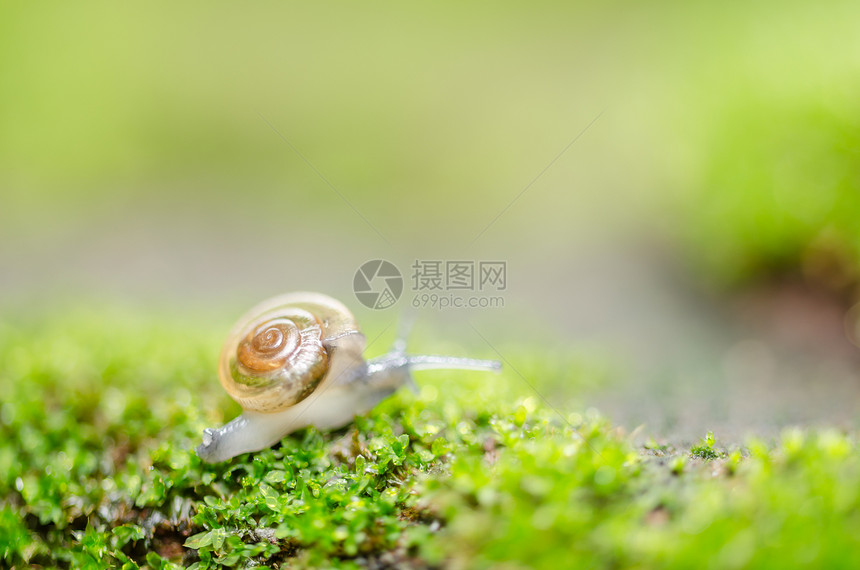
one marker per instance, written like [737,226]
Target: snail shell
[284,348]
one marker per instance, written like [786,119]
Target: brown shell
[281,350]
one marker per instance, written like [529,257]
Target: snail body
[297,360]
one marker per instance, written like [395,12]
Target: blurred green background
[149,134]
[201,157]
[143,141]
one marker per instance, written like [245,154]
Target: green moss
[705,448]
[97,469]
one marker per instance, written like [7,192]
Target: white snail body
[296,360]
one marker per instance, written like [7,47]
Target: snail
[296,360]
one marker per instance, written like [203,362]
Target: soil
[758,360]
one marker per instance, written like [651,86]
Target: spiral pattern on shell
[270,346]
[279,352]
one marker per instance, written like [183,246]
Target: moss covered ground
[97,469]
